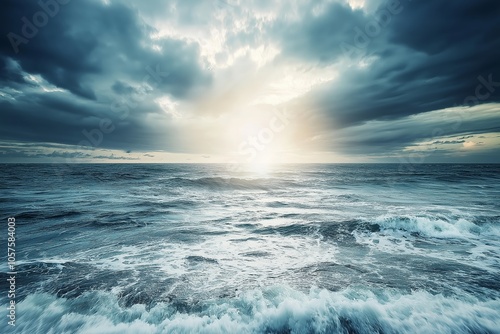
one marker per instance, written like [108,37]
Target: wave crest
[272,310]
[429,226]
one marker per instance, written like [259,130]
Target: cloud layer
[364,81]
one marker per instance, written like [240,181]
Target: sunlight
[357,4]
[260,137]
[260,168]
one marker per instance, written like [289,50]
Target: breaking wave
[435,227]
[272,310]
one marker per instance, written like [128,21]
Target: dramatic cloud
[429,55]
[309,80]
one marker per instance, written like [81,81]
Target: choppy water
[300,249]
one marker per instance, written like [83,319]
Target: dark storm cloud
[59,51]
[89,39]
[97,53]
[122,88]
[436,128]
[317,37]
[60,118]
[428,55]
[10,73]
[55,117]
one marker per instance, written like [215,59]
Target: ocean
[202,248]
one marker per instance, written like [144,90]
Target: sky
[254,81]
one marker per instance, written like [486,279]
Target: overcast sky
[250,81]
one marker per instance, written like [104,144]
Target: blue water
[298,249]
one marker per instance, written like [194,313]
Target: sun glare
[258,138]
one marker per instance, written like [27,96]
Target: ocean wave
[404,231]
[47,213]
[271,310]
[232,183]
[471,241]
[429,226]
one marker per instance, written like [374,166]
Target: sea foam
[276,309]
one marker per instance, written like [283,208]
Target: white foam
[233,259]
[267,310]
[453,239]
[429,226]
